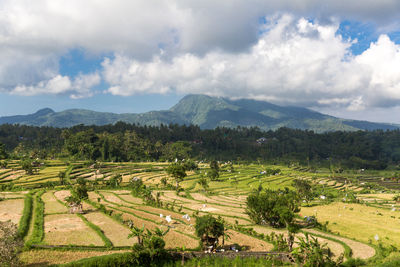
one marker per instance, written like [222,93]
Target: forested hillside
[130,142]
[207,113]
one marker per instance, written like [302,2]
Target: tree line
[131,142]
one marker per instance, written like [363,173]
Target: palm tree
[160,233]
[138,232]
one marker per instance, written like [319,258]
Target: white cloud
[295,62]
[209,46]
[78,88]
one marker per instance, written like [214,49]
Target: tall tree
[177,171]
[3,152]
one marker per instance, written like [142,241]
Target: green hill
[207,112]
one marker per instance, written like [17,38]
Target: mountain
[207,112]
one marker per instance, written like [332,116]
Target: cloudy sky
[336,56]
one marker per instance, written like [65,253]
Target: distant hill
[207,112]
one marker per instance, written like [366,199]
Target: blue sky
[339,58]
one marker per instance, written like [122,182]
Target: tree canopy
[276,208]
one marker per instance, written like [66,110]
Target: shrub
[11,244]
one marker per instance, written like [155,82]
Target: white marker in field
[168,218]
[376,237]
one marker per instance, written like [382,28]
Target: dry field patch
[215,199]
[378,196]
[62,194]
[7,195]
[253,243]
[117,233]
[14,176]
[111,197]
[51,205]
[138,222]
[130,198]
[228,200]
[172,239]
[121,192]
[11,210]
[65,229]
[49,257]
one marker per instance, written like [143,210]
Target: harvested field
[131,199]
[51,205]
[111,197]
[252,243]
[378,196]
[114,231]
[178,240]
[138,222]
[62,194]
[11,210]
[172,239]
[47,257]
[120,192]
[215,199]
[66,229]
[8,195]
[14,176]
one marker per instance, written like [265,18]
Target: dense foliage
[209,229]
[129,142]
[276,208]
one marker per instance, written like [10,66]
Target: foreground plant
[10,244]
[313,254]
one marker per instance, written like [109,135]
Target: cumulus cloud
[78,88]
[295,61]
[212,47]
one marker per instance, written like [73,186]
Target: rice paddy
[360,226]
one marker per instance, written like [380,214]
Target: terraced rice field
[357,224]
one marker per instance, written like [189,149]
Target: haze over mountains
[206,112]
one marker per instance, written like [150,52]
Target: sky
[338,57]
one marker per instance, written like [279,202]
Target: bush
[11,244]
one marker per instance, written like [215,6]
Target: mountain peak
[207,112]
[44,111]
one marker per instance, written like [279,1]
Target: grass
[38,220]
[26,217]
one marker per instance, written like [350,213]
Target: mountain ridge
[207,112]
